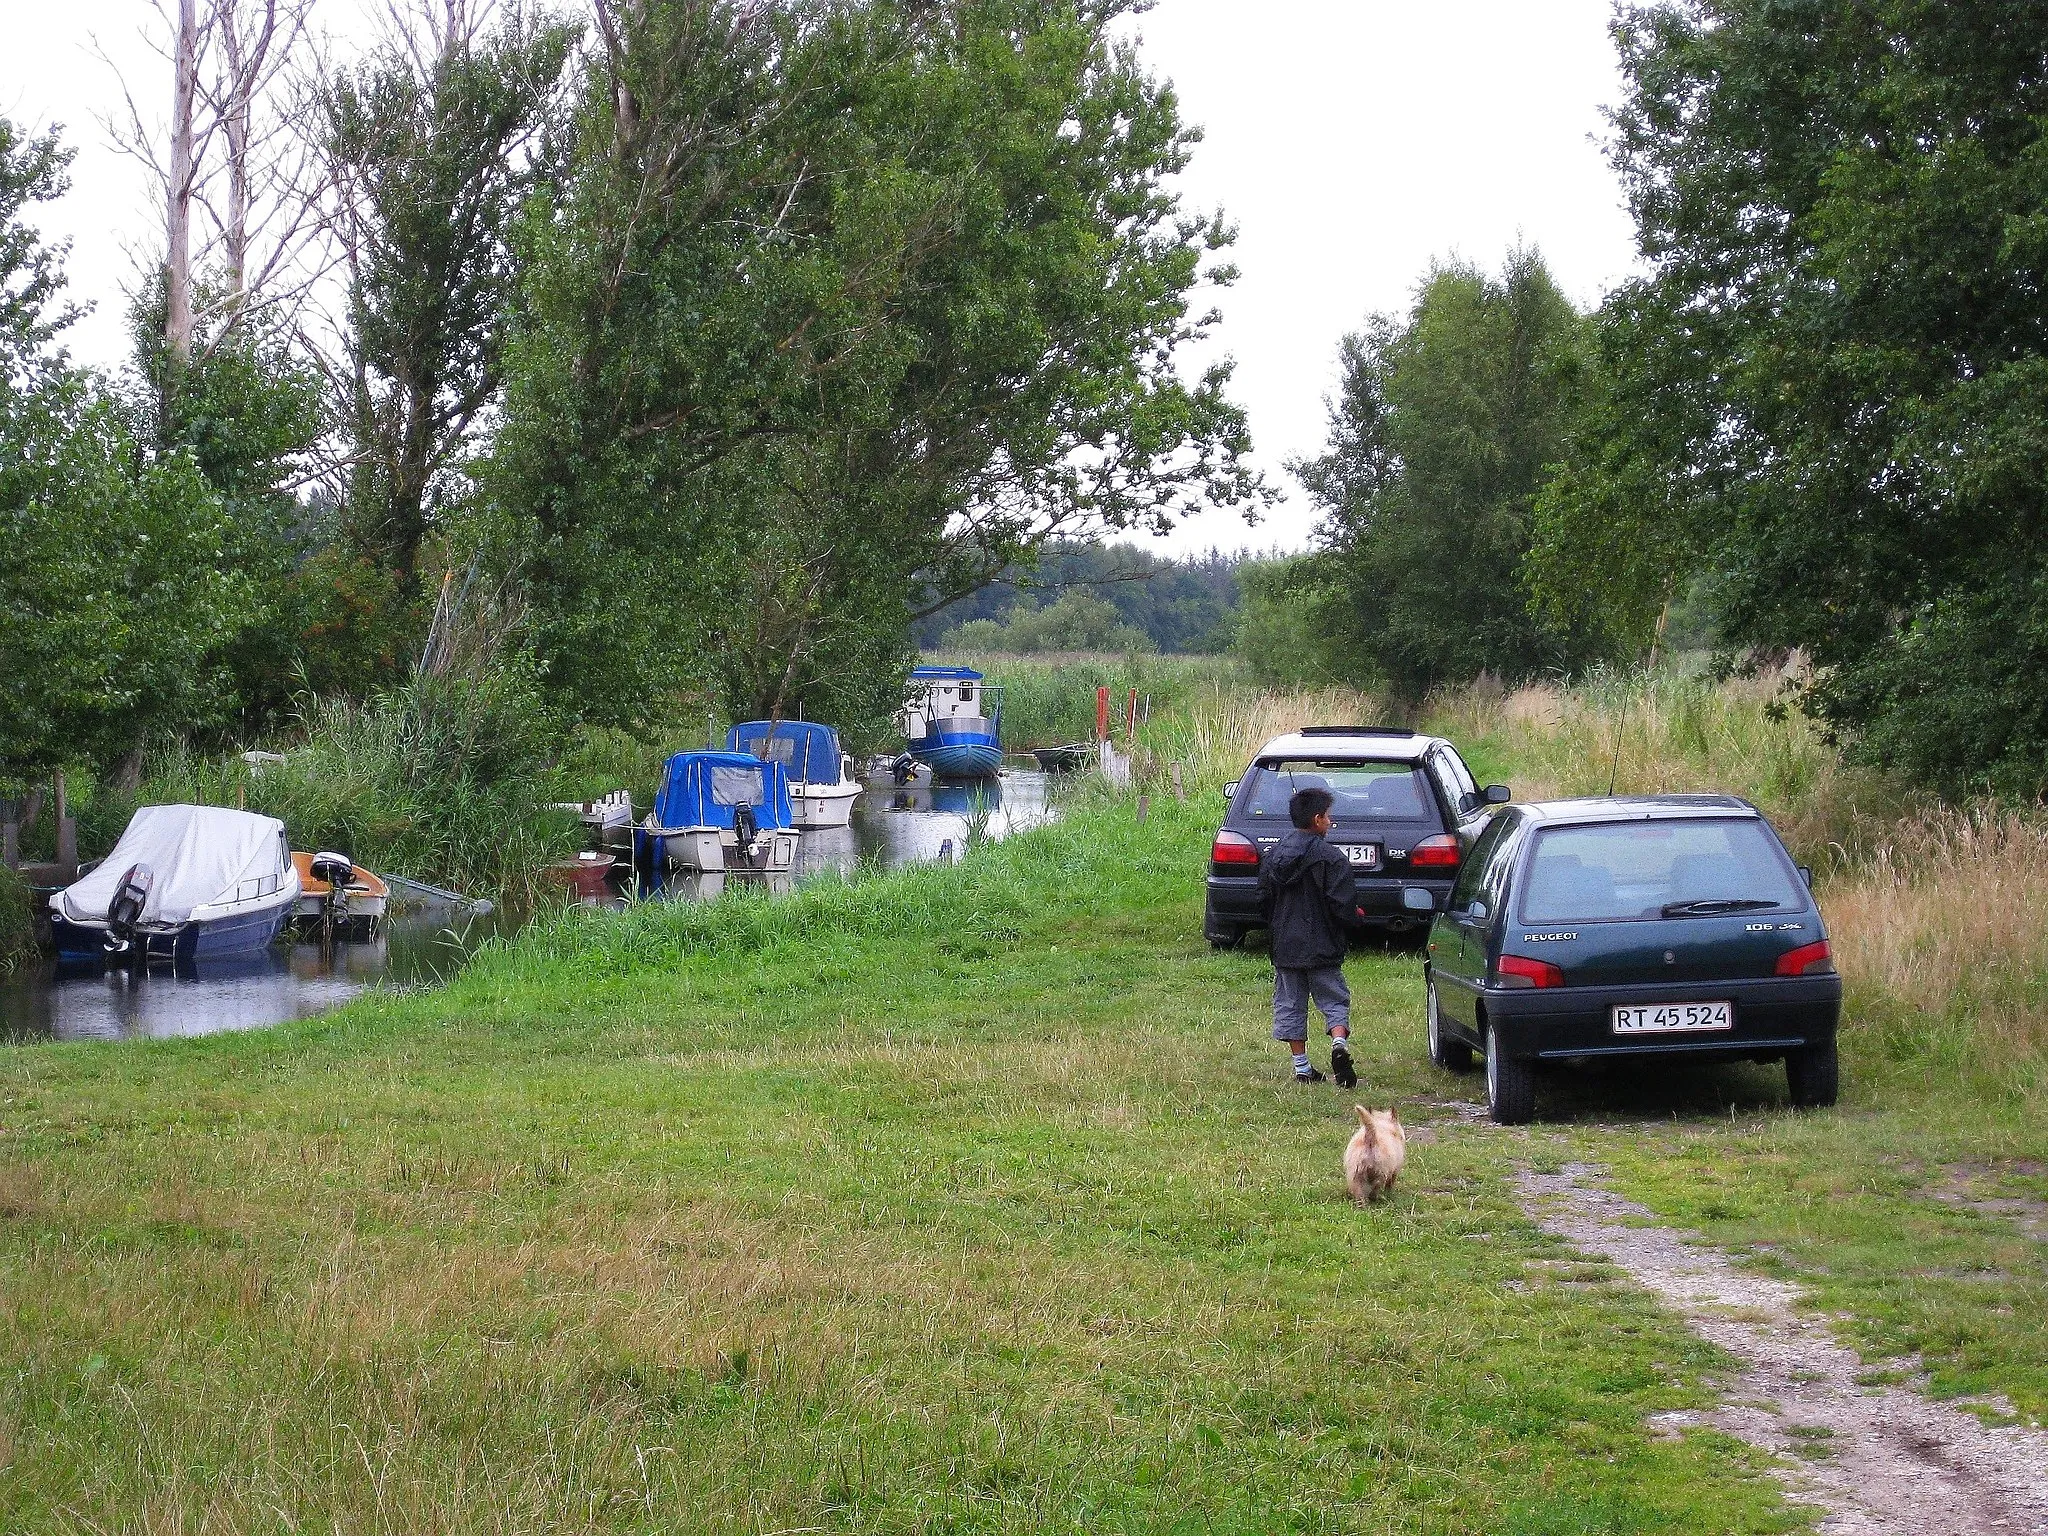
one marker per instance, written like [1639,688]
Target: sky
[1352,143]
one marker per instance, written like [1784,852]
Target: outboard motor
[124,911]
[745,830]
[337,869]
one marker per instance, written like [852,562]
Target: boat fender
[124,911]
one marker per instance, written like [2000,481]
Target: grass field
[967,1199]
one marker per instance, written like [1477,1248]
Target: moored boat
[184,882]
[337,893]
[822,781]
[1065,759]
[942,719]
[723,811]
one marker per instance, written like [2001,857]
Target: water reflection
[203,997]
[892,825]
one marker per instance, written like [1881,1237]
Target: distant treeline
[1084,595]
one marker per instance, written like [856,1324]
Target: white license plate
[1364,855]
[1669,1018]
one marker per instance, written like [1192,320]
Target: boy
[1310,898]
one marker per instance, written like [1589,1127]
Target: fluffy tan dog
[1378,1149]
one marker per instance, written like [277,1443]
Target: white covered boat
[184,882]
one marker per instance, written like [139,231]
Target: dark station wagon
[1658,925]
[1405,811]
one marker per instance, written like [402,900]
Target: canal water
[892,826]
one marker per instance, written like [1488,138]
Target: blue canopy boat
[822,783]
[720,811]
[943,721]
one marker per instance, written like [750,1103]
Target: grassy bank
[964,1199]
[930,1204]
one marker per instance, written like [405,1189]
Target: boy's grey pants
[1291,991]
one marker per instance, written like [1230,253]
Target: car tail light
[1807,960]
[1233,848]
[1439,852]
[1521,971]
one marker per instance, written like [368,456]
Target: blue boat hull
[244,933]
[959,754]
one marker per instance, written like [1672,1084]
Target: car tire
[1226,938]
[1510,1085]
[1814,1075]
[1452,1055]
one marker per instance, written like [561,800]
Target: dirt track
[1878,1459]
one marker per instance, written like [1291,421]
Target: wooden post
[10,845]
[1131,716]
[1144,808]
[1179,792]
[1102,714]
[67,831]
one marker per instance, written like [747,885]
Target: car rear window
[1632,870]
[1363,790]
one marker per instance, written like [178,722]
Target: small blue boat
[943,720]
[184,883]
[718,811]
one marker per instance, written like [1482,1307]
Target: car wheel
[1814,1075]
[1510,1085]
[1226,938]
[1451,1055]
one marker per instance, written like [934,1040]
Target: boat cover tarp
[944,675]
[198,854]
[808,752]
[702,789]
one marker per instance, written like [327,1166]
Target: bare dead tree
[236,152]
[179,182]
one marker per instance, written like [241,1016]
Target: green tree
[889,292]
[1292,622]
[246,413]
[115,594]
[1834,376]
[1443,434]
[427,144]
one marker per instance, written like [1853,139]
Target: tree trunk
[178,212]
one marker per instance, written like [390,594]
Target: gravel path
[1881,1460]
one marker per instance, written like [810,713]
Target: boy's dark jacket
[1311,898]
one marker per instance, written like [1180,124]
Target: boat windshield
[736,786]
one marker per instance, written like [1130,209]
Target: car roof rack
[1354,730]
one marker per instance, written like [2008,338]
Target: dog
[1373,1160]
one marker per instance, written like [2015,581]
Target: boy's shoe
[1340,1065]
[1310,1076]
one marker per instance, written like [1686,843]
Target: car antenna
[1614,760]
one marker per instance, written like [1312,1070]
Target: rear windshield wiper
[1708,906]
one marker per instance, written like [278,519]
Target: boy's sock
[1301,1066]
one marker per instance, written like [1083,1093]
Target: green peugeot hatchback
[1668,925]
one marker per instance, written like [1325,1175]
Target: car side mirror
[1477,912]
[1498,794]
[1417,898]
[1230,789]
[1806,874]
